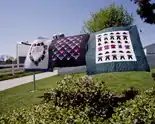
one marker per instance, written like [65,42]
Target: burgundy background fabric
[69,51]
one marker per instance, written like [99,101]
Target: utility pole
[17,55]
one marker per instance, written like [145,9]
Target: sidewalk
[23,80]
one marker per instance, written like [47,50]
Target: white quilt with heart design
[38,55]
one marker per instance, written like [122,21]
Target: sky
[25,20]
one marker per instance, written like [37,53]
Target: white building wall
[23,49]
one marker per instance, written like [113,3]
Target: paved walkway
[23,80]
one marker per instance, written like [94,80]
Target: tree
[146,10]
[108,17]
[8,61]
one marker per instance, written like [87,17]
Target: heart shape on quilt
[37,53]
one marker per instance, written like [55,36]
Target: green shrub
[47,114]
[84,91]
[141,110]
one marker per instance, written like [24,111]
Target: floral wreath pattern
[41,58]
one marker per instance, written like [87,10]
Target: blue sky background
[22,20]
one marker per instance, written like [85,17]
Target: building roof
[149,45]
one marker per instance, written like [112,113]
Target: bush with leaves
[84,91]
[72,92]
[141,110]
[47,114]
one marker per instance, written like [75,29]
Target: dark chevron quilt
[69,51]
[115,49]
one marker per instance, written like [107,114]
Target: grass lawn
[23,95]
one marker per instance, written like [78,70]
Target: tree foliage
[108,17]
[146,10]
[8,61]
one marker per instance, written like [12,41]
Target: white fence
[11,69]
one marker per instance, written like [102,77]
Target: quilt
[69,51]
[38,56]
[116,49]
